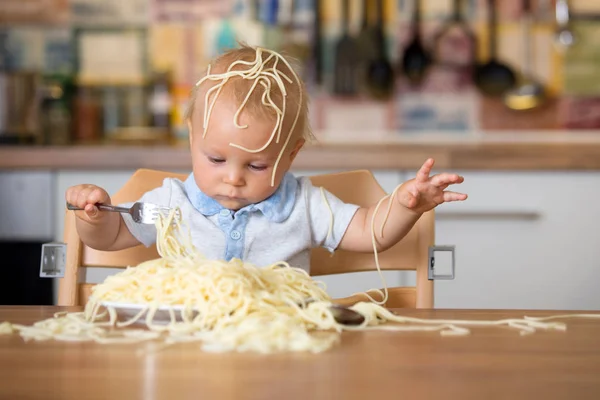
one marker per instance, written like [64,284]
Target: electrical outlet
[54,260]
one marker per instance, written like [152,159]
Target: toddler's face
[232,176]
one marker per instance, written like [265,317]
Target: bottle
[55,112]
[161,101]
[87,116]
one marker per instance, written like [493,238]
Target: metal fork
[342,314]
[142,213]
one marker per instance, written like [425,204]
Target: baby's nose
[234,177]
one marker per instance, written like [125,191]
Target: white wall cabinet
[26,205]
[523,240]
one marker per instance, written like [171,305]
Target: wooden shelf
[456,155]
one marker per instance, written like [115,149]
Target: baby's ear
[296,149]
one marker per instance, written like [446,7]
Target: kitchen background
[77,75]
[109,68]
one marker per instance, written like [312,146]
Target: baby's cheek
[265,190]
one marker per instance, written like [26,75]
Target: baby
[248,119]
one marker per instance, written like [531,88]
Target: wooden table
[491,363]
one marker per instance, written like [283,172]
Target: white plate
[126,311]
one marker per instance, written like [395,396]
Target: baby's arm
[412,199]
[99,230]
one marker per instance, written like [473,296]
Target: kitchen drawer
[26,205]
[523,240]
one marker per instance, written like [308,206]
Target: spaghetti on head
[263,84]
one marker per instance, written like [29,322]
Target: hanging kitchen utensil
[493,78]
[345,68]
[380,74]
[293,42]
[529,93]
[316,45]
[366,38]
[273,36]
[455,43]
[366,47]
[563,35]
[416,59]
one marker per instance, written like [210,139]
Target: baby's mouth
[230,198]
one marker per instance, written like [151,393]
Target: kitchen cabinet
[26,223]
[523,240]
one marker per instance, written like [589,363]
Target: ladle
[380,74]
[416,59]
[530,93]
[493,78]
[563,36]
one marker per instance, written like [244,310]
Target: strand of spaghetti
[218,87]
[252,73]
[373,313]
[289,136]
[278,120]
[209,95]
[239,110]
[385,293]
[6,328]
[133,319]
[269,103]
[562,316]
[389,209]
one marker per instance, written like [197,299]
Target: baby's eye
[216,160]
[257,167]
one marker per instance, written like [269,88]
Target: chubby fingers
[454,196]
[445,179]
[425,170]
[409,200]
[86,197]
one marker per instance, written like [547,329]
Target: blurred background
[92,70]
[509,90]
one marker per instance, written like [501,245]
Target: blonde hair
[245,92]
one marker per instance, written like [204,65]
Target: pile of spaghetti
[226,306]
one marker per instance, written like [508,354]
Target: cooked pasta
[230,306]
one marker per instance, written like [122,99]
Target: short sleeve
[146,233]
[329,216]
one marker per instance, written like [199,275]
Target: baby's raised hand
[425,192]
[86,197]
